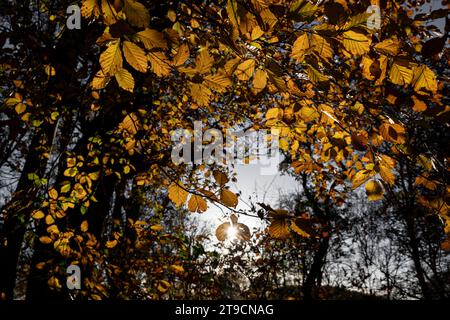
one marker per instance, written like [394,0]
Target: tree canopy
[357,91]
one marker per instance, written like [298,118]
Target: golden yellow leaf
[297,226]
[360,177]
[100,81]
[130,123]
[268,18]
[427,183]
[136,13]
[393,132]
[124,79]
[157,227]
[45,240]
[259,81]
[135,56]
[109,13]
[308,114]
[368,68]
[274,113]
[256,33]
[203,61]
[53,193]
[84,226]
[400,73]
[49,70]
[374,190]
[49,220]
[218,81]
[315,75]
[177,268]
[386,174]
[321,46]
[177,193]
[37,214]
[245,70]
[356,43]
[111,59]
[419,105]
[279,228]
[152,39]
[20,108]
[197,204]
[424,78]
[163,286]
[299,47]
[181,56]
[228,198]
[389,46]
[160,65]
[90,8]
[200,93]
[111,244]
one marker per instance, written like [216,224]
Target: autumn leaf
[360,139]
[181,56]
[152,39]
[388,46]
[177,268]
[161,66]
[90,8]
[130,123]
[245,70]
[374,190]
[321,46]
[228,198]
[279,229]
[84,226]
[400,73]
[197,204]
[203,62]
[393,132]
[45,240]
[356,43]
[177,193]
[360,177]
[222,230]
[200,93]
[37,214]
[163,286]
[111,244]
[111,59]
[259,81]
[218,82]
[124,79]
[100,80]
[299,48]
[315,75]
[274,113]
[135,56]
[308,114]
[424,78]
[418,104]
[109,13]
[136,13]
[220,177]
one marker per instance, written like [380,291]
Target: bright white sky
[260,188]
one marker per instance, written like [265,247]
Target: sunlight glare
[231,233]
